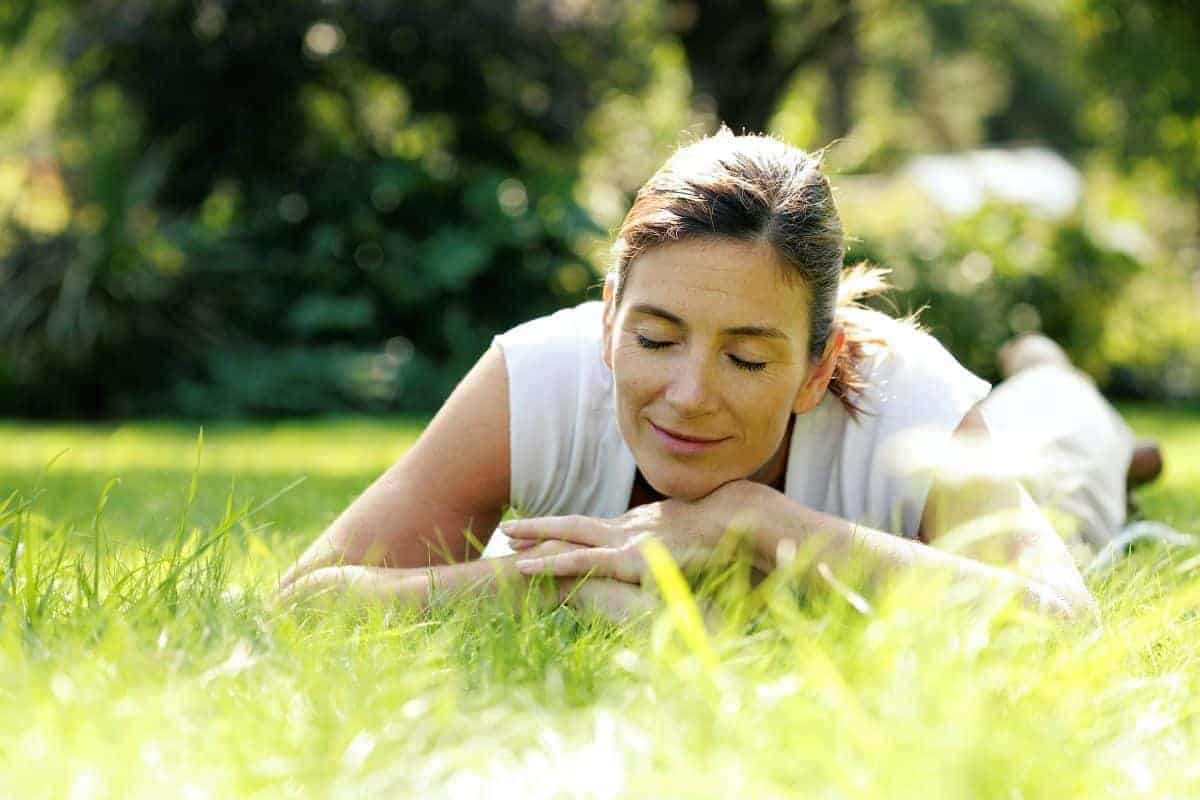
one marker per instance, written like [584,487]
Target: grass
[139,657]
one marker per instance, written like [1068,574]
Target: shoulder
[910,373]
[556,358]
[560,413]
[915,396]
[567,332]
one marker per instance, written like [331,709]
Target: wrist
[781,530]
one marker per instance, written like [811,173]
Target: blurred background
[226,209]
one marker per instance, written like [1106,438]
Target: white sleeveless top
[568,456]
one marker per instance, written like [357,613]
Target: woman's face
[709,353]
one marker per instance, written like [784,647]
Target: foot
[1145,465]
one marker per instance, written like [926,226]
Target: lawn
[139,657]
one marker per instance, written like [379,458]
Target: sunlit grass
[154,462]
[291,448]
[166,673]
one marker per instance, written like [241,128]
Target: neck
[774,472]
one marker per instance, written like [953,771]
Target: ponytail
[862,328]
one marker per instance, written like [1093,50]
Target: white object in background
[1035,177]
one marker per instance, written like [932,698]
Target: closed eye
[749,366]
[740,363]
[652,344]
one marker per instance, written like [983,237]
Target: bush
[320,208]
[981,279]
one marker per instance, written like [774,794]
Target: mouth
[683,443]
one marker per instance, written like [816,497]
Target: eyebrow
[763,331]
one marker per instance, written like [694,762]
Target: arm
[396,541]
[409,585]
[454,479]
[988,532]
[414,586]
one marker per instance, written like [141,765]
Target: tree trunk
[736,63]
[727,43]
[842,67]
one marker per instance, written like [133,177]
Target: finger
[362,583]
[593,561]
[540,528]
[575,528]
[623,565]
[311,585]
[320,555]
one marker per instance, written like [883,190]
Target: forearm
[787,530]
[408,586]
[366,534]
[411,586]
[354,539]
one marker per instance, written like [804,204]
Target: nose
[689,388]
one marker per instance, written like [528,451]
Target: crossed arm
[407,533]
[1020,556]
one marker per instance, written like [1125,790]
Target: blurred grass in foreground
[138,656]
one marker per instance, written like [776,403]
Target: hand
[362,583]
[406,585]
[616,601]
[691,532]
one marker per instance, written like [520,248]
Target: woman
[722,384]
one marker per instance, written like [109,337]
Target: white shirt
[1073,447]
[568,456]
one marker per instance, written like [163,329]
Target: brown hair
[757,188]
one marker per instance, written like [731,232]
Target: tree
[742,54]
[313,207]
[1011,56]
[1144,62]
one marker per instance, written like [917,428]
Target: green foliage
[931,76]
[982,279]
[1145,105]
[1110,281]
[226,209]
[330,208]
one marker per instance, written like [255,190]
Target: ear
[610,313]
[821,372]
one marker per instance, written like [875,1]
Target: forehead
[719,281]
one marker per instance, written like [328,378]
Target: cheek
[765,408]
[634,373]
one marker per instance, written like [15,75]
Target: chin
[682,487]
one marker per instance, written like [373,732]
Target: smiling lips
[682,444]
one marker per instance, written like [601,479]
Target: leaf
[681,604]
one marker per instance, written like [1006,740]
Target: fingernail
[527,566]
